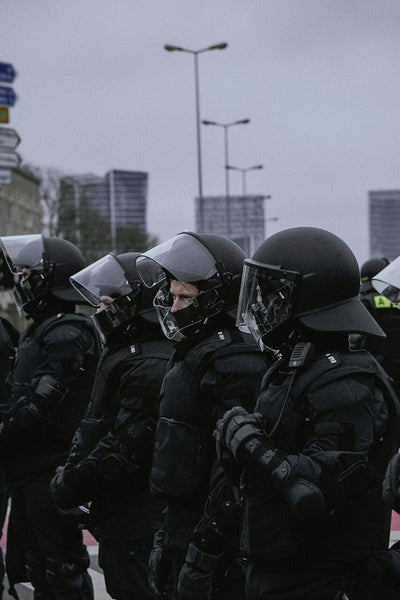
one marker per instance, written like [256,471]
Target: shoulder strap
[156,348]
[330,367]
[51,322]
[197,358]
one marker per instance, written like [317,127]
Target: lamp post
[196,53]
[226,127]
[243,172]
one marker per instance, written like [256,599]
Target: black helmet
[212,263]
[371,267]
[112,283]
[305,275]
[51,261]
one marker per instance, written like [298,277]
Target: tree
[49,195]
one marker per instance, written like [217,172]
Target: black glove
[113,462]
[236,432]
[391,484]
[196,575]
[160,566]
[72,487]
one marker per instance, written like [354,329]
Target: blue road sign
[7,72]
[7,96]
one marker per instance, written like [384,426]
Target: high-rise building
[96,211]
[240,218]
[384,223]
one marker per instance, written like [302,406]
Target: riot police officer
[213,368]
[315,451]
[50,385]
[111,453]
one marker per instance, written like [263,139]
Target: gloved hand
[71,487]
[236,431]
[196,575]
[111,459]
[160,566]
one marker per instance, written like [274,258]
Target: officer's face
[183,294]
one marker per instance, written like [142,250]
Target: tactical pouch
[179,459]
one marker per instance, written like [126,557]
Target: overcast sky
[318,79]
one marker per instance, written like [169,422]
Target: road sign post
[5,176]
[4,114]
[7,72]
[9,138]
[7,96]
[9,159]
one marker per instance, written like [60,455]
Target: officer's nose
[178,304]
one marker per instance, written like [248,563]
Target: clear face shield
[266,299]
[387,282]
[25,256]
[185,261]
[106,286]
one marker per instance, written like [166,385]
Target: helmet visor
[266,299]
[103,281]
[387,282]
[24,252]
[183,258]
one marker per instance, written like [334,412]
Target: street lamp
[244,171]
[226,127]
[196,53]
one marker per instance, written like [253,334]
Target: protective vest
[114,362]
[279,535]
[184,446]
[24,379]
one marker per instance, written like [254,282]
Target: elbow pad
[35,412]
[305,499]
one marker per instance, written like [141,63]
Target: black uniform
[334,435]
[50,387]
[110,460]
[326,423]
[208,374]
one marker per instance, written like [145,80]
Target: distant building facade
[241,218]
[384,223]
[20,214]
[20,208]
[94,211]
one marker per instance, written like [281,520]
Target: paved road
[25,592]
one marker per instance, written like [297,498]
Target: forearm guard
[35,411]
[243,435]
